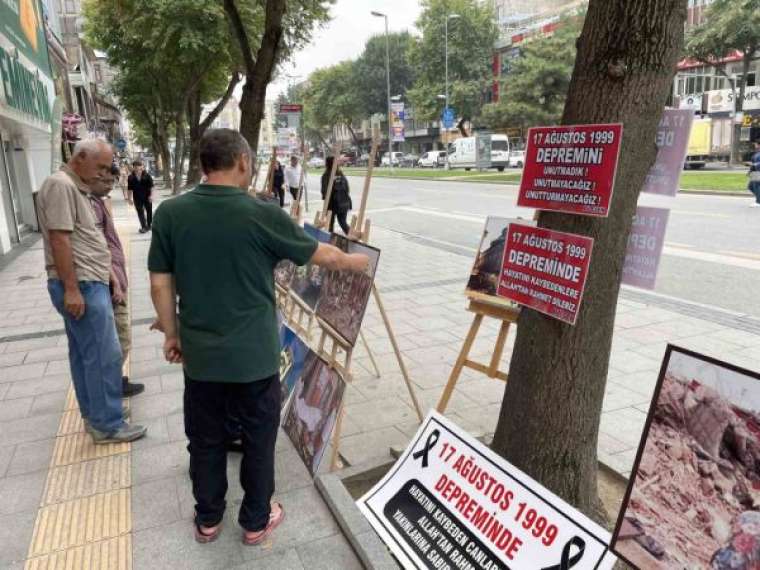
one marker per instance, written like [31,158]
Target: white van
[462,153]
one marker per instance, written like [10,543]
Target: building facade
[27,98]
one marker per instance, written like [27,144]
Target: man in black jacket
[139,192]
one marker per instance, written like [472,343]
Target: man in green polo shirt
[215,248]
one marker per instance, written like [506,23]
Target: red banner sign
[645,243]
[545,270]
[290,108]
[571,169]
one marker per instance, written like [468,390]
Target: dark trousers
[256,405]
[144,209]
[341,220]
[294,192]
[280,193]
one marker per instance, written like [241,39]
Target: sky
[343,37]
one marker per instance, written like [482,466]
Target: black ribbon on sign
[568,561]
[429,445]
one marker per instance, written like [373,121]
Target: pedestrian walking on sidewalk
[340,199]
[278,180]
[754,175]
[101,203]
[293,177]
[78,264]
[140,192]
[228,343]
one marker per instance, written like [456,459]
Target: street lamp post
[388,85]
[446,56]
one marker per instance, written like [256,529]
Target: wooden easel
[295,207]
[360,229]
[322,219]
[507,314]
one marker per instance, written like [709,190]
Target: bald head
[91,160]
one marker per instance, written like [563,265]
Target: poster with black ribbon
[451,503]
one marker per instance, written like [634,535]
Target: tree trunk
[549,420]
[166,157]
[258,73]
[179,152]
[195,134]
[198,128]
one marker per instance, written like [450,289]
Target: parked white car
[397,158]
[316,162]
[432,159]
[517,159]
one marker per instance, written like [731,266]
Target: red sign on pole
[545,270]
[290,108]
[571,169]
[645,243]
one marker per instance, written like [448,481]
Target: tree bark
[198,128]
[166,157]
[549,420]
[179,152]
[258,72]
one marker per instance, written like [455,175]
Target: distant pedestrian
[293,177]
[78,264]
[140,192]
[228,342]
[278,181]
[101,203]
[340,198]
[123,178]
[754,176]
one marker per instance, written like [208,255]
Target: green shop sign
[22,89]
[21,22]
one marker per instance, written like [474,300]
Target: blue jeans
[94,355]
[754,187]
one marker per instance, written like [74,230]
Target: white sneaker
[755,205]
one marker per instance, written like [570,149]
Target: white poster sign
[722,101]
[450,502]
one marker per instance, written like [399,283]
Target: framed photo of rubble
[307,279]
[293,353]
[484,276]
[283,273]
[344,296]
[693,499]
[313,410]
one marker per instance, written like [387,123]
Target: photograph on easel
[293,353]
[344,296]
[693,499]
[283,273]
[484,277]
[313,410]
[308,279]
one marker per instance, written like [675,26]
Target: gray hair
[91,146]
[221,148]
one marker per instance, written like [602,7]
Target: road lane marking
[713,258]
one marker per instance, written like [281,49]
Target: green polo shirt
[222,245]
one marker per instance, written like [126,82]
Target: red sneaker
[276,516]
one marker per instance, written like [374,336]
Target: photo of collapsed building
[307,280]
[344,295]
[283,273]
[694,495]
[484,277]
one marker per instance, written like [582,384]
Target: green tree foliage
[169,52]
[471,41]
[730,26]
[332,97]
[536,85]
[370,69]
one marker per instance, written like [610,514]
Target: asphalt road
[711,256]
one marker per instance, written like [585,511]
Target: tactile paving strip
[85,517]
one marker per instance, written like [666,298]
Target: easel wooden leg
[493,368]
[461,359]
[371,356]
[397,351]
[335,458]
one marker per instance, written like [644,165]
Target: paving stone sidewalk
[421,283]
